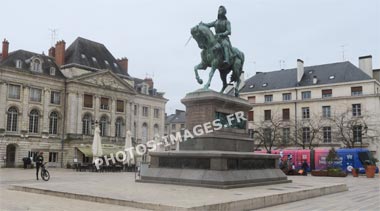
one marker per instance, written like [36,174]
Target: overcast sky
[152,34]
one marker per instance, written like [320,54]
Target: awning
[112,150]
[107,150]
[87,151]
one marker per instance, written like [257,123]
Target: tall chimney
[365,64]
[5,50]
[123,63]
[149,81]
[60,53]
[52,52]
[300,70]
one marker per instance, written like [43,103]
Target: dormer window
[265,85]
[52,71]
[83,56]
[36,65]
[144,89]
[18,64]
[94,59]
[115,65]
[107,63]
[332,77]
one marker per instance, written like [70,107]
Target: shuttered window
[267,114]
[250,116]
[326,93]
[285,114]
[87,101]
[120,106]
[252,99]
[358,90]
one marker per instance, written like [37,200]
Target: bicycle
[45,175]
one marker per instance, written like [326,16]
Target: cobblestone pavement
[363,193]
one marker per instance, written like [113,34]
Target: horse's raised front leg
[212,71]
[196,68]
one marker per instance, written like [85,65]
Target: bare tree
[350,129]
[268,133]
[308,132]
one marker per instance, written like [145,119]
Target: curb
[246,204]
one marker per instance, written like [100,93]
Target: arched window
[103,126]
[86,124]
[144,133]
[156,130]
[53,123]
[119,127]
[33,121]
[36,65]
[12,119]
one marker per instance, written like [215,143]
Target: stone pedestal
[204,106]
[220,159]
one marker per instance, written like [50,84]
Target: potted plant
[319,172]
[370,167]
[333,166]
[355,172]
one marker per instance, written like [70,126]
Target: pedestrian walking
[305,166]
[39,162]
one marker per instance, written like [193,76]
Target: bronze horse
[212,56]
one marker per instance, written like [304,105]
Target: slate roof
[178,117]
[92,56]
[169,118]
[341,72]
[25,58]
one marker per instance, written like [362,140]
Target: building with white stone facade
[51,103]
[317,92]
[175,123]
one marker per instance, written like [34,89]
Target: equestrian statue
[217,51]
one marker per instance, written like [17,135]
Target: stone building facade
[51,103]
[321,92]
[175,123]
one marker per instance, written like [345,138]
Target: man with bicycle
[39,162]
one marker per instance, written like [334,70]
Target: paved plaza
[363,193]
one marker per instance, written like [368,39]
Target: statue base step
[213,169]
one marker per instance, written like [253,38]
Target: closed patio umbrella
[128,144]
[97,150]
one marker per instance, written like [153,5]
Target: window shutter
[327,92]
[252,99]
[250,115]
[356,89]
